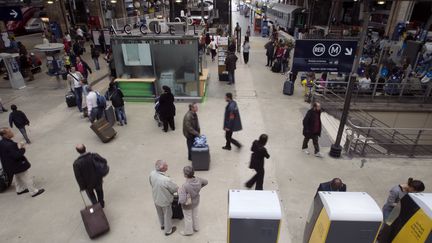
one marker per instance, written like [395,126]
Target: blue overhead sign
[324,55]
[10,13]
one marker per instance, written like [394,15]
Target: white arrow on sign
[348,51]
[14,13]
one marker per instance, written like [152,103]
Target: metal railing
[368,136]
[412,91]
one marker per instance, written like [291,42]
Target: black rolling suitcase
[110,115]
[94,219]
[277,66]
[70,99]
[200,158]
[288,88]
[103,130]
[176,209]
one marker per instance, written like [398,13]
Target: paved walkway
[55,129]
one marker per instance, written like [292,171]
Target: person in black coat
[86,175]
[167,108]
[16,164]
[334,185]
[20,120]
[257,162]
[312,128]
[116,96]
[232,122]
[270,49]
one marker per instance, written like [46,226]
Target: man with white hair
[163,189]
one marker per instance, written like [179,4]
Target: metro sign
[324,55]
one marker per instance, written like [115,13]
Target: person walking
[16,164]
[20,120]
[230,66]
[191,127]
[248,31]
[89,178]
[189,198]
[246,48]
[95,56]
[167,108]
[398,192]
[163,189]
[232,122]
[312,128]
[257,162]
[116,96]
[270,49]
[94,111]
[75,80]
[335,185]
[82,67]
[213,48]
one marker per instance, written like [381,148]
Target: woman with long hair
[257,162]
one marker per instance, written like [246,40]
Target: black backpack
[101,165]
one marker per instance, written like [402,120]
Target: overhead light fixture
[50,1]
[381,2]
[178,1]
[113,1]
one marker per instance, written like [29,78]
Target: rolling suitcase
[94,219]
[288,87]
[70,99]
[176,209]
[103,130]
[200,158]
[110,115]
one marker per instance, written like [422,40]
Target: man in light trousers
[163,189]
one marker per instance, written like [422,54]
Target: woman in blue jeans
[116,96]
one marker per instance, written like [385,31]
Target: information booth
[145,63]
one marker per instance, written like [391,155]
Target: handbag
[188,200]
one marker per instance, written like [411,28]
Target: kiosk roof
[351,206]
[424,200]
[244,204]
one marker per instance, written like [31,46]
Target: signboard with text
[324,55]
[10,13]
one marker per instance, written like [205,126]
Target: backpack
[101,165]
[101,101]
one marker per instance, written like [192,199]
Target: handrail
[387,128]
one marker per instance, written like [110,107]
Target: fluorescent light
[381,2]
[113,1]
[50,1]
[178,1]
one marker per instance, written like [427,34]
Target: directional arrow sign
[10,13]
[348,51]
[14,13]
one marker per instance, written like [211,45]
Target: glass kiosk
[145,63]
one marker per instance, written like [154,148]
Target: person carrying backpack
[116,96]
[96,104]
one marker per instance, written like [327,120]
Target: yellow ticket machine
[343,217]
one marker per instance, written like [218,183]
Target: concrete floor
[55,129]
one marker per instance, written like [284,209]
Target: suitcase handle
[82,197]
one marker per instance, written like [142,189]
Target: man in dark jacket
[257,162]
[20,120]
[312,128]
[230,66]
[82,67]
[167,108]
[116,96]
[15,163]
[95,56]
[232,122]
[191,127]
[270,49]
[334,185]
[86,175]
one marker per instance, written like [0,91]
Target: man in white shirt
[75,78]
[94,112]
[365,82]
[80,32]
